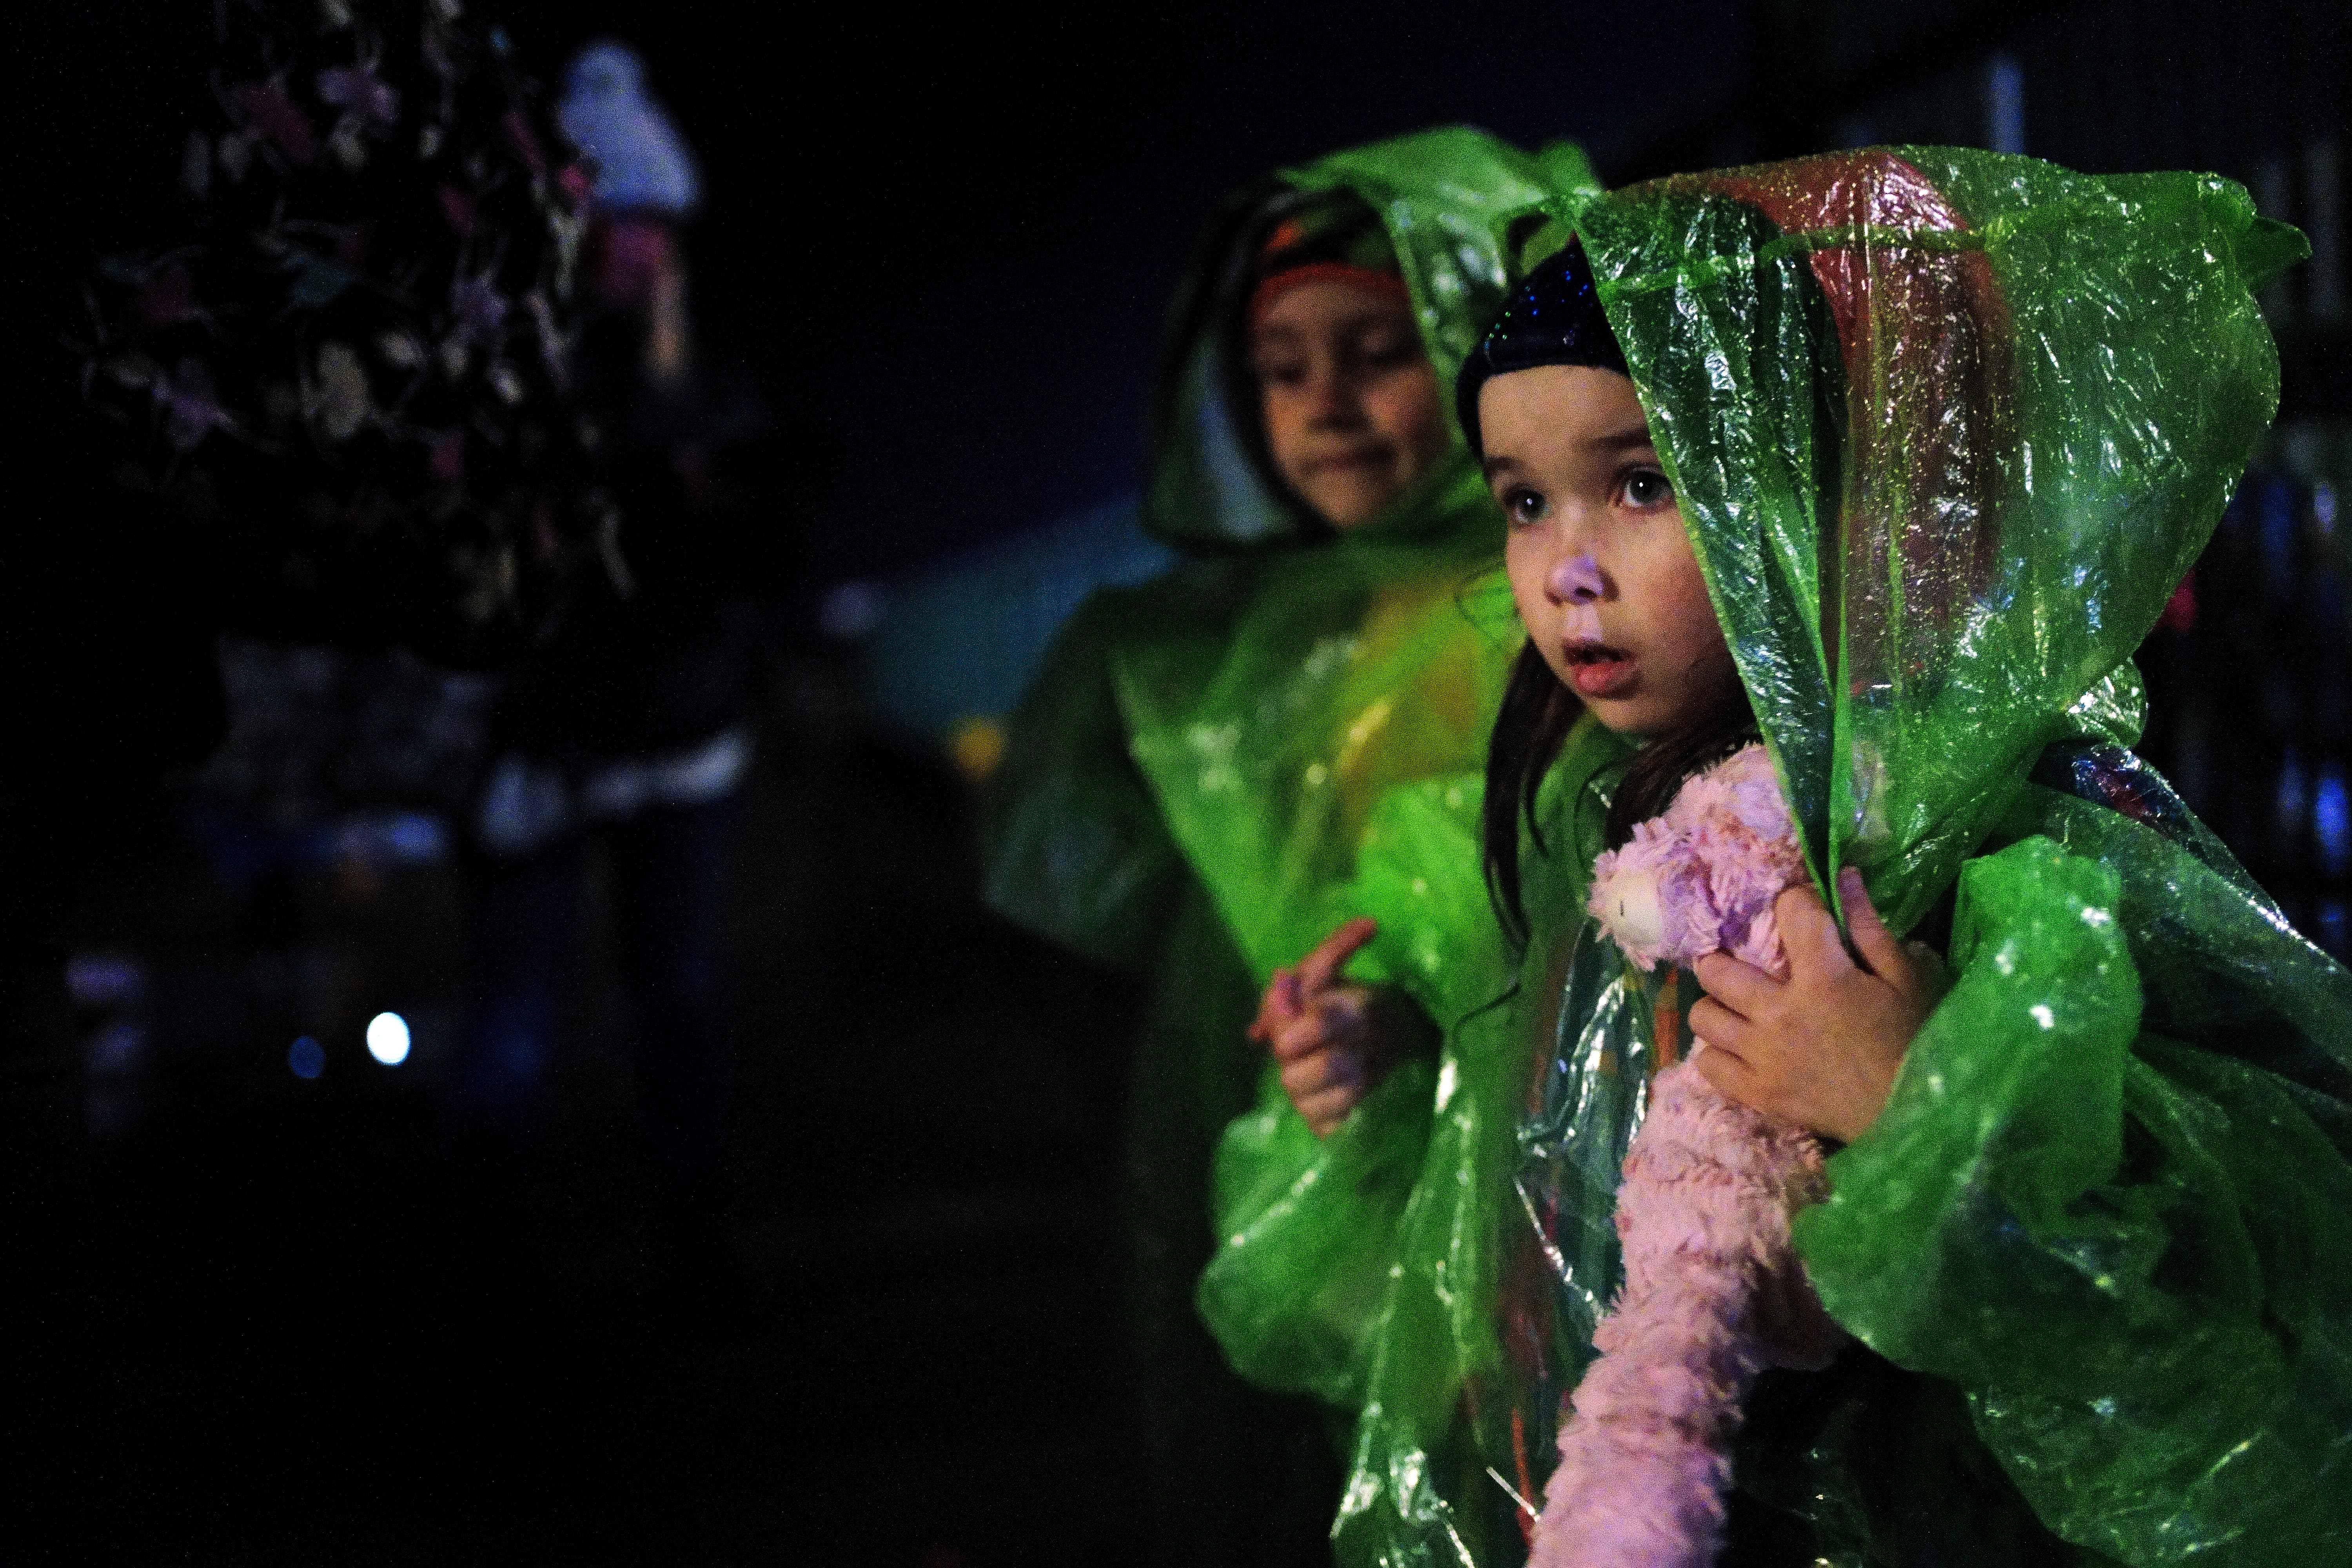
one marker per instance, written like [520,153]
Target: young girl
[1888,460]
[1187,783]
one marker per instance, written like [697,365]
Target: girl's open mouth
[1596,670]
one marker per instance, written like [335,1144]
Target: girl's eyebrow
[1374,317]
[1499,463]
[1623,440]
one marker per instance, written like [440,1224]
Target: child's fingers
[1718,1026]
[1295,1037]
[1335,1019]
[1727,1069]
[1324,1112]
[1307,1075]
[1878,945]
[1736,984]
[1318,1070]
[1808,932]
[1276,1008]
[1316,970]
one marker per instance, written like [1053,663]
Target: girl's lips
[1601,672]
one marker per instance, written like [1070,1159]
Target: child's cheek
[1694,611]
[1408,412]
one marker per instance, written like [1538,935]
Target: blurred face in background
[1353,416]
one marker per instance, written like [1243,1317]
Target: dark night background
[939,242]
[946,238]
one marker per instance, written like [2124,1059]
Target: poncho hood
[1238,715]
[1947,426]
[1441,194]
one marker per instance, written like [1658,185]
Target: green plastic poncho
[1947,427]
[1188,781]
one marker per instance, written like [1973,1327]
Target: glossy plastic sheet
[1437,1458]
[1309,1229]
[1947,427]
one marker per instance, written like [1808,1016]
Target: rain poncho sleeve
[1947,427]
[1076,848]
[2128,1246]
[1308,1229]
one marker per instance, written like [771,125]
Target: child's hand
[1819,1048]
[1325,1031]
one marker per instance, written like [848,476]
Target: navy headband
[1552,318]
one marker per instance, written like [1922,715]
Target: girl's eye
[1389,351]
[1522,506]
[1646,489]
[1281,371]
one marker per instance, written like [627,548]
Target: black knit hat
[1553,316]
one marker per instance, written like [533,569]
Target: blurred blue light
[307,1057]
[387,1038]
[2335,928]
[2331,823]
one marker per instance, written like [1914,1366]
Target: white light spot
[2095,918]
[387,1038]
[2042,1016]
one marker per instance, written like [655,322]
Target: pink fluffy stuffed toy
[1714,1293]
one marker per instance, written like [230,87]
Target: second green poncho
[1188,782]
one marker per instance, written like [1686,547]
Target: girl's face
[1603,573]
[1351,400]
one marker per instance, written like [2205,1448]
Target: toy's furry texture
[1713,1291]
[1702,877]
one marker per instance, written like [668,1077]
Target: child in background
[1186,784]
[1888,461]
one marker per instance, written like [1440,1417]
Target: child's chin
[1628,717]
[1350,506]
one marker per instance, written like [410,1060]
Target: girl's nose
[1577,581]
[1332,395]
